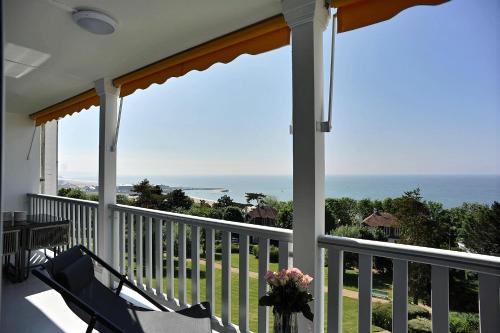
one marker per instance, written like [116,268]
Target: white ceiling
[147,31]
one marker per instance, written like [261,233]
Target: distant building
[261,215]
[388,223]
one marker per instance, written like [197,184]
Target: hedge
[382,314]
[274,253]
[463,322]
[419,325]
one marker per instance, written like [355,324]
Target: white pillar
[308,20]
[107,169]
[49,151]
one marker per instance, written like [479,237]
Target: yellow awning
[69,106]
[258,38]
[354,14]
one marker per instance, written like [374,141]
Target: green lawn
[350,305]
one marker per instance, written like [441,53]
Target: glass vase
[285,323]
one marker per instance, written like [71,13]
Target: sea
[450,190]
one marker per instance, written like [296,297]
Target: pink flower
[295,274]
[304,282]
[282,277]
[308,279]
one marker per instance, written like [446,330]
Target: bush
[274,253]
[463,322]
[235,248]
[382,314]
[419,325]
[233,214]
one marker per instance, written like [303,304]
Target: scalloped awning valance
[258,38]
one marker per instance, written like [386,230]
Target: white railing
[487,267]
[82,215]
[135,231]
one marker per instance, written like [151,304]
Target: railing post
[108,116]
[489,303]
[400,297]
[308,20]
[440,296]
[335,288]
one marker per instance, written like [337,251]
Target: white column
[107,170]
[308,20]
[49,148]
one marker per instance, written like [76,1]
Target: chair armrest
[122,278]
[95,316]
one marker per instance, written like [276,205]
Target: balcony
[166,271]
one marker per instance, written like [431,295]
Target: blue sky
[418,94]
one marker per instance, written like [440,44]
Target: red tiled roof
[381,219]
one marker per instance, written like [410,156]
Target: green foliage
[338,212]
[235,248]
[177,200]
[464,287]
[74,193]
[204,210]
[123,199]
[481,228]
[257,197]
[419,325]
[274,253]
[223,202]
[382,314]
[232,213]
[365,208]
[148,195]
[463,322]
[285,216]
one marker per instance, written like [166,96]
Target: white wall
[21,176]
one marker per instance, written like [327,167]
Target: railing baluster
[73,224]
[365,293]
[335,288]
[149,254]
[210,268]
[138,250]
[170,259]
[285,259]
[78,222]
[116,240]
[440,298]
[130,252]
[89,227]
[489,303]
[84,225]
[159,256]
[263,314]
[400,296]
[182,264]
[195,264]
[226,278]
[243,278]
[95,229]
[123,221]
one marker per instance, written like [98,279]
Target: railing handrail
[65,199]
[453,259]
[279,234]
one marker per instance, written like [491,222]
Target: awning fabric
[71,105]
[258,38]
[354,14]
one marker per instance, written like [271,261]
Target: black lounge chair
[71,274]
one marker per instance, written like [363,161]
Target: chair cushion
[76,276]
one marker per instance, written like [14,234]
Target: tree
[481,228]
[285,216]
[148,195]
[365,208]
[177,200]
[257,197]
[339,212]
[223,202]
[234,214]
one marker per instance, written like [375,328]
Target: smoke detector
[94,22]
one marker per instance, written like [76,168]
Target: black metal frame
[95,316]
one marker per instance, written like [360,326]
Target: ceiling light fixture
[94,22]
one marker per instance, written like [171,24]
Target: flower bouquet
[288,295]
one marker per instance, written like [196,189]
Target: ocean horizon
[450,190]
